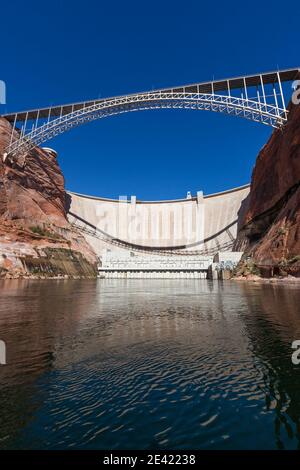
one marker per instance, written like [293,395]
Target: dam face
[198,226]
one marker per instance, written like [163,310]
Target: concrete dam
[169,238]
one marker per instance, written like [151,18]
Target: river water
[127,364]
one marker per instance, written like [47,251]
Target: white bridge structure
[259,97]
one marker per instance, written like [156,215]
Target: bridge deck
[201,87]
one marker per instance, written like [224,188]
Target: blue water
[127,364]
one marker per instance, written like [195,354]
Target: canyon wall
[36,239]
[270,232]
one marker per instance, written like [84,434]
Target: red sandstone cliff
[35,236]
[271,228]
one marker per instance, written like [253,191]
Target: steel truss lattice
[266,107]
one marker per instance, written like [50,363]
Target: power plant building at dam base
[184,238]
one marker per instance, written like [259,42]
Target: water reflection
[148,363]
[271,336]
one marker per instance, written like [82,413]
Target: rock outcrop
[36,239]
[270,233]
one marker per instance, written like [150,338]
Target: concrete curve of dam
[199,224]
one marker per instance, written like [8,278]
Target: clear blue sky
[61,51]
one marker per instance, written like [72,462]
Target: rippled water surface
[130,364]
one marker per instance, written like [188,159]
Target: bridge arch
[218,96]
[248,109]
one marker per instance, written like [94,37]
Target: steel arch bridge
[260,98]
